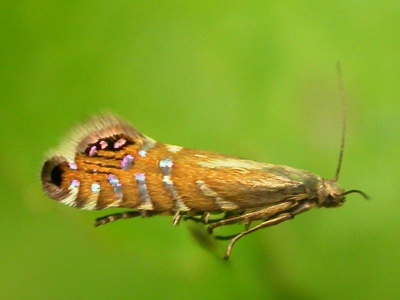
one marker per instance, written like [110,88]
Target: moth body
[108,163]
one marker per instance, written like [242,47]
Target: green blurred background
[252,79]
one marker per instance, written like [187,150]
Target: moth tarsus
[109,164]
[117,216]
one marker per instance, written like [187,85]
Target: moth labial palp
[108,163]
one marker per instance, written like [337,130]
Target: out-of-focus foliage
[251,79]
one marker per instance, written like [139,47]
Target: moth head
[333,195]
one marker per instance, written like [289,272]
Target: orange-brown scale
[238,186]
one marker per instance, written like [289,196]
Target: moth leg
[205,217]
[196,217]
[305,206]
[255,215]
[177,218]
[122,215]
[279,219]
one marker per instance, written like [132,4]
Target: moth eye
[52,177]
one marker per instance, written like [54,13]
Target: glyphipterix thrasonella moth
[108,163]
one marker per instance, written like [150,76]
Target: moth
[109,164]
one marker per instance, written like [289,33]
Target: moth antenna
[357,192]
[344,113]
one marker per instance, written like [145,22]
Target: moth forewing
[108,163]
